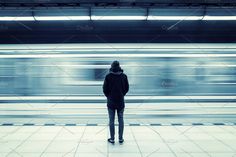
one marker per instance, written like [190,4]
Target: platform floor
[140,141]
[135,113]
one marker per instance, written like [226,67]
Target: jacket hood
[116,70]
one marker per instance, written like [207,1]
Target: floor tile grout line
[193,142]
[98,132]
[153,152]
[19,127]
[179,130]
[51,142]
[155,149]
[108,131]
[227,130]
[68,152]
[187,152]
[102,153]
[18,154]
[68,130]
[136,141]
[234,150]
[163,140]
[80,141]
[24,140]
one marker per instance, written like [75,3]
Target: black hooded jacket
[115,87]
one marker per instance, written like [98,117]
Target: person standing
[115,87]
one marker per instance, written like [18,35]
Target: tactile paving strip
[131,124]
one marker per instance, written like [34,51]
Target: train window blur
[147,75]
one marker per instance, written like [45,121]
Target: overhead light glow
[16,18]
[232,97]
[58,18]
[219,18]
[65,18]
[118,17]
[174,17]
[114,55]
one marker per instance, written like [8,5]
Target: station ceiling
[91,3]
[23,32]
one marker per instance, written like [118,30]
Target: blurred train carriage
[156,70]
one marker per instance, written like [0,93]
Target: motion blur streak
[208,69]
[166,81]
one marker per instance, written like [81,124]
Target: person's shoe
[121,141]
[111,141]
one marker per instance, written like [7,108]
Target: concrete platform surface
[140,141]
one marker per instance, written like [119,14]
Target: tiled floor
[140,141]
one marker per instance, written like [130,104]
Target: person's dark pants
[112,122]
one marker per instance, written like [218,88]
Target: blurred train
[152,69]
